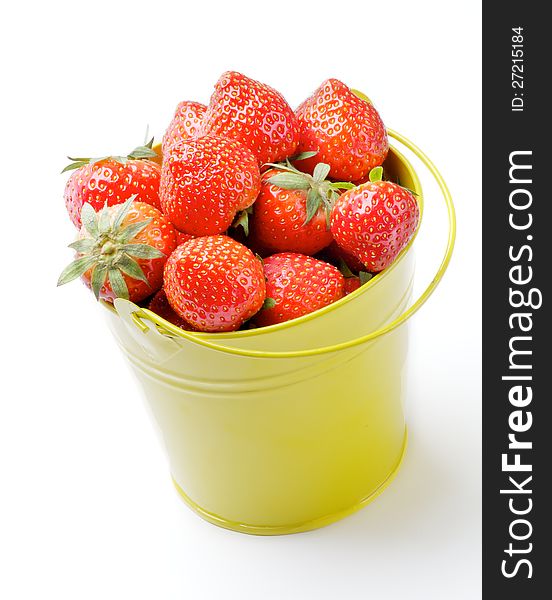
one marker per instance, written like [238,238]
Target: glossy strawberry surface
[185,124]
[205,182]
[298,285]
[214,283]
[112,181]
[346,132]
[158,234]
[374,222]
[278,220]
[182,238]
[254,114]
[351,284]
[160,306]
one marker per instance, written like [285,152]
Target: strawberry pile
[253,214]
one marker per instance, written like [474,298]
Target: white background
[87,509]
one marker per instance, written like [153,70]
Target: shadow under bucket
[289,427]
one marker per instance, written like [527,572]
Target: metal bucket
[289,427]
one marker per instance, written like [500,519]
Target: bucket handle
[140,314]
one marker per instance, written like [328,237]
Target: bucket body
[278,445]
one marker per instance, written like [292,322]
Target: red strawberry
[351,284]
[337,254]
[160,306]
[375,221]
[182,238]
[185,124]
[112,179]
[297,285]
[205,182]
[346,132]
[121,251]
[291,213]
[255,115]
[214,283]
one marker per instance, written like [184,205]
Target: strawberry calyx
[144,152]
[304,155]
[268,304]
[242,219]
[364,277]
[320,191]
[344,269]
[376,174]
[107,249]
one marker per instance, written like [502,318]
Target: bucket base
[297,527]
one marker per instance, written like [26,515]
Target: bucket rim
[207,340]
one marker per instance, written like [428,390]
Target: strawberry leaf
[268,303]
[93,161]
[103,219]
[118,283]
[409,190]
[131,268]
[83,246]
[313,204]
[290,181]
[131,231]
[320,172]
[99,275]
[376,174]
[345,270]
[364,277]
[142,152]
[74,165]
[141,251]
[89,219]
[242,220]
[77,268]
[304,155]
[342,185]
[333,196]
[79,159]
[328,213]
[283,167]
[108,253]
[122,212]
[139,153]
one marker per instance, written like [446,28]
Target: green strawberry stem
[304,155]
[364,277]
[268,303]
[345,270]
[109,251]
[242,219]
[144,152]
[320,191]
[376,174]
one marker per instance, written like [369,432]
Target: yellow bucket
[289,427]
